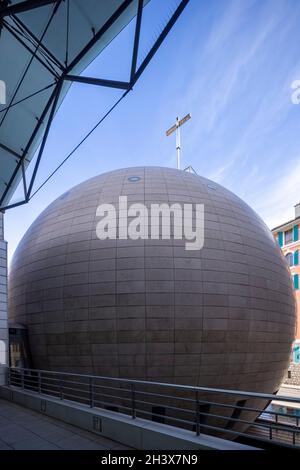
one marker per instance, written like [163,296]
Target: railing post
[197,414]
[91,392]
[200,407]
[61,393]
[133,401]
[39,382]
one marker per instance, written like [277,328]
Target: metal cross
[176,127]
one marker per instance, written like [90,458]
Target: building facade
[288,238]
[3,304]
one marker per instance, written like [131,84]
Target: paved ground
[21,428]
[289,391]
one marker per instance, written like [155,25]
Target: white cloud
[276,205]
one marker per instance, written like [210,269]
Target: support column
[3,305]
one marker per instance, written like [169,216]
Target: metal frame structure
[200,409]
[62,73]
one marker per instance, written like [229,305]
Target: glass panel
[288,236]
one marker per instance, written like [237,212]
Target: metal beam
[12,206]
[51,56]
[160,39]
[136,38]
[24,6]
[67,75]
[114,17]
[27,97]
[24,179]
[98,81]
[33,54]
[32,137]
[9,150]
[48,126]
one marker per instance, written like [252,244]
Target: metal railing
[229,414]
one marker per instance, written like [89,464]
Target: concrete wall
[293,375]
[137,433]
[3,304]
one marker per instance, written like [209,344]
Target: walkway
[23,429]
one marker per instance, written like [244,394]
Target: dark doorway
[19,351]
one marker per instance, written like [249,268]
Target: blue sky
[230,63]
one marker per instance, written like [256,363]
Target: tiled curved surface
[223,316]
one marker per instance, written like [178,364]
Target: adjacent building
[3,303]
[288,237]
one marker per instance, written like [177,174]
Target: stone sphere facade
[222,316]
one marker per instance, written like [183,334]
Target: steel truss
[63,72]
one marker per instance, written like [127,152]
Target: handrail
[202,409]
[267,396]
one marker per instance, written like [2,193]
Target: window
[288,236]
[296,353]
[290,259]
[296,281]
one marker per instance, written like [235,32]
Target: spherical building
[222,316]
